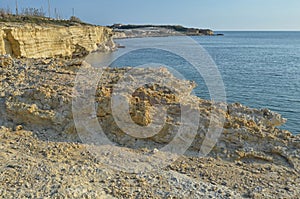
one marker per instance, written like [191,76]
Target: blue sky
[214,14]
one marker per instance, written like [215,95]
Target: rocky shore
[45,154]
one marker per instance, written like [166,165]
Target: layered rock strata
[37,41]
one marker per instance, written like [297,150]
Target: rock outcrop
[37,41]
[39,97]
[250,158]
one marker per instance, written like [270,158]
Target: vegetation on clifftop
[37,16]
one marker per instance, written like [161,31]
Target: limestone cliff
[36,41]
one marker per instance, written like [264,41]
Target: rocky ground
[31,168]
[45,155]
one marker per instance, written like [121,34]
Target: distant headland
[133,31]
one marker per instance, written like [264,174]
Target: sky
[213,14]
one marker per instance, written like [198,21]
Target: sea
[259,69]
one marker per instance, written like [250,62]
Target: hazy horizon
[230,15]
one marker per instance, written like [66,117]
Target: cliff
[49,40]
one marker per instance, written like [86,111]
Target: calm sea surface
[259,69]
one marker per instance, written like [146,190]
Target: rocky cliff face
[36,41]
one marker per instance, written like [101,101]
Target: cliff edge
[30,40]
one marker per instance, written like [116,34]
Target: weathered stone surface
[35,41]
[6,61]
[36,95]
[30,167]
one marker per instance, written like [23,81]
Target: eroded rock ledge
[36,95]
[37,41]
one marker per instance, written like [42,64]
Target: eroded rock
[41,147]
[38,94]
[36,41]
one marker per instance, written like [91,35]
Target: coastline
[43,153]
[140,31]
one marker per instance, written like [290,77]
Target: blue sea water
[259,69]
